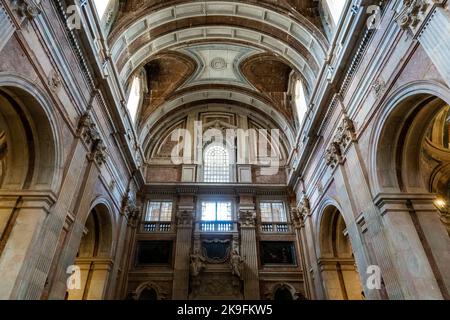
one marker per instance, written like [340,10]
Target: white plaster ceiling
[145,24]
[218,64]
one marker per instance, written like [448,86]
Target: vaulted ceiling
[240,52]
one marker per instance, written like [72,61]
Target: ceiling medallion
[218,64]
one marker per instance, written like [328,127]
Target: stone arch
[421,99]
[94,257]
[32,158]
[149,286]
[337,266]
[281,291]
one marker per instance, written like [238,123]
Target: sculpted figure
[197,263]
[236,264]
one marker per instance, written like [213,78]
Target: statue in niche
[197,263]
[236,264]
[3,152]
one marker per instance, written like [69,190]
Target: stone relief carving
[160,290]
[54,81]
[378,87]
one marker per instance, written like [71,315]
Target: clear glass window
[216,211]
[159,211]
[216,164]
[273,211]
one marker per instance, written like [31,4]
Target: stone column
[185,217]
[247,220]
[360,212]
[299,227]
[7,29]
[434,237]
[28,211]
[429,22]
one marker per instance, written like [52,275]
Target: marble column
[185,218]
[429,22]
[28,211]
[247,220]
[7,29]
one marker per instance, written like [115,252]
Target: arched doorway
[338,268]
[94,256]
[413,164]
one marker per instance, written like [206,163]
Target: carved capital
[304,207]
[28,9]
[185,217]
[131,211]
[333,155]
[247,218]
[89,133]
[296,218]
[411,13]
[345,134]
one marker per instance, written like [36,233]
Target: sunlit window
[336,7]
[216,211]
[159,211]
[273,212]
[101,6]
[300,100]
[216,164]
[134,98]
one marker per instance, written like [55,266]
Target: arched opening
[339,272]
[283,294]
[94,256]
[134,98]
[413,160]
[300,101]
[148,294]
[101,6]
[216,164]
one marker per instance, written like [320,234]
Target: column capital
[413,14]
[185,216]
[247,218]
[342,139]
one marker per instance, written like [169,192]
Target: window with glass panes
[159,211]
[216,211]
[273,211]
[216,164]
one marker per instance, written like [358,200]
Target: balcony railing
[275,227]
[150,226]
[216,226]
